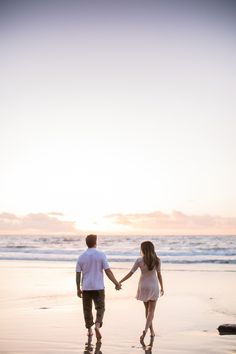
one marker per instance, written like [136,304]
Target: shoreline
[166,266]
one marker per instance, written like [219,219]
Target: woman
[148,287]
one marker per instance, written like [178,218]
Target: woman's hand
[162,292]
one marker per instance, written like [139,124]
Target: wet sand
[40,312]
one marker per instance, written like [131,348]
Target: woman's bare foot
[97,331]
[142,338]
[151,341]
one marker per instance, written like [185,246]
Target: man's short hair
[91,240]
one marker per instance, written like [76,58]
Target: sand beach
[40,312]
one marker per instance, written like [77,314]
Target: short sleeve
[105,264]
[78,267]
[158,267]
[135,266]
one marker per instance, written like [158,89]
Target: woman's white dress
[148,286]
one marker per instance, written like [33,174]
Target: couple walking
[91,265]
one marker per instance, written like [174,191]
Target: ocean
[171,249]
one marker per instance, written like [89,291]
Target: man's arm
[78,280]
[111,276]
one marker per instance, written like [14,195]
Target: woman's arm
[133,269]
[126,277]
[159,276]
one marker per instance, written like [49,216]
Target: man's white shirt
[92,263]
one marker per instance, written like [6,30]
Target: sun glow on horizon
[130,224]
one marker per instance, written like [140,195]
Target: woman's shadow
[90,348]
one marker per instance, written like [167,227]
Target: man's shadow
[90,348]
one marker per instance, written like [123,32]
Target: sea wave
[176,250]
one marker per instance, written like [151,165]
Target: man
[91,264]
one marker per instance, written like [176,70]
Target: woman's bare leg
[146,304]
[146,308]
[150,316]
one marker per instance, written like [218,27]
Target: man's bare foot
[97,331]
[90,332]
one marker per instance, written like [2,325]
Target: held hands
[118,286]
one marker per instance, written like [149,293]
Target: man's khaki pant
[98,297]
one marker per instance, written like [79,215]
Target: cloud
[55,213]
[153,223]
[174,223]
[35,223]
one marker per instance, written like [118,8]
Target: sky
[118,117]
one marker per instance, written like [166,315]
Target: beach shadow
[90,348]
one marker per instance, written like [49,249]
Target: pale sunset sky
[118,117]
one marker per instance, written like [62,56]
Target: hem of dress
[148,299]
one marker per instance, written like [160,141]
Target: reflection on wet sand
[148,348]
[89,347]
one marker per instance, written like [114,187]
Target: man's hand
[118,286]
[113,279]
[79,293]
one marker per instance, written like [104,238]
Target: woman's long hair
[149,255]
